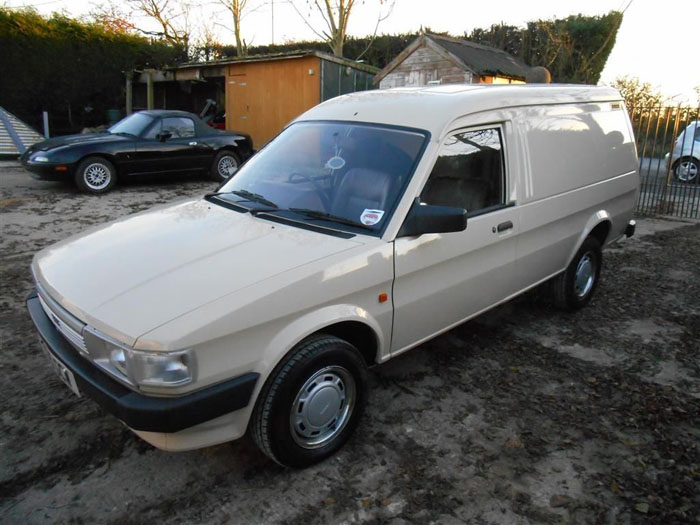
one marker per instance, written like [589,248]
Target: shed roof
[482,59]
[282,56]
[478,58]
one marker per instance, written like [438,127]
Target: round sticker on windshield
[371,217]
[335,163]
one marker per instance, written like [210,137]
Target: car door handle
[503,227]
[194,143]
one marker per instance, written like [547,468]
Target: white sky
[658,41]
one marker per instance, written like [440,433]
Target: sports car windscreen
[338,175]
[134,124]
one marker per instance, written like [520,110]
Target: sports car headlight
[40,158]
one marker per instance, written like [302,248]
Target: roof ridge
[463,41]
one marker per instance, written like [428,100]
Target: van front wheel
[573,288]
[311,403]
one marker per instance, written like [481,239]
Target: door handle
[503,227]
[194,143]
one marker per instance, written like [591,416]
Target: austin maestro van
[372,223]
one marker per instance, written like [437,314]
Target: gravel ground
[525,415]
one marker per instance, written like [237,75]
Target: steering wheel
[319,190]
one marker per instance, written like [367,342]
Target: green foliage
[574,49]
[63,65]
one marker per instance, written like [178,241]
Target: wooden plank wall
[425,65]
[262,97]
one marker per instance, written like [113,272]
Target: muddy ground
[526,415]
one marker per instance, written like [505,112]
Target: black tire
[226,161]
[687,170]
[574,288]
[322,371]
[95,175]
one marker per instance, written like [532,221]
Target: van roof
[434,107]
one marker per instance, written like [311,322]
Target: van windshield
[345,176]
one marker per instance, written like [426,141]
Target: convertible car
[147,142]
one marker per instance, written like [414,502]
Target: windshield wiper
[255,197]
[213,194]
[316,214]
[252,211]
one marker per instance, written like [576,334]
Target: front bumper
[48,171]
[138,411]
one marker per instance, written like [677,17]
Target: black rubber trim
[304,225]
[138,411]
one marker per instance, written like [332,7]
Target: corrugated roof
[15,135]
[482,59]
[280,56]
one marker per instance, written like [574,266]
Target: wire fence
[668,144]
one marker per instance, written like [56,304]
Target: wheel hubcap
[585,276]
[97,176]
[687,171]
[227,166]
[322,407]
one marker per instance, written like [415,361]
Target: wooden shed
[261,93]
[435,59]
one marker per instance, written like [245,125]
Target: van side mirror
[427,218]
[164,135]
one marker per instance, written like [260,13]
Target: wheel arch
[101,155]
[599,226]
[695,156]
[346,322]
[358,334]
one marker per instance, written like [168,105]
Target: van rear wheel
[573,288]
[311,403]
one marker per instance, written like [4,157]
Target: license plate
[63,373]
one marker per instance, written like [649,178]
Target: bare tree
[171,15]
[335,15]
[112,17]
[207,46]
[237,8]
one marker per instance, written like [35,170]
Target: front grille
[58,319]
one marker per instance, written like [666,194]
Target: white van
[371,224]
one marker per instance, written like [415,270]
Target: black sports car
[147,142]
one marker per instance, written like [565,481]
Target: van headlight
[139,368]
[159,369]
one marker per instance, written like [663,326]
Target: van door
[442,279]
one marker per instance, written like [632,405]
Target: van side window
[468,173]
